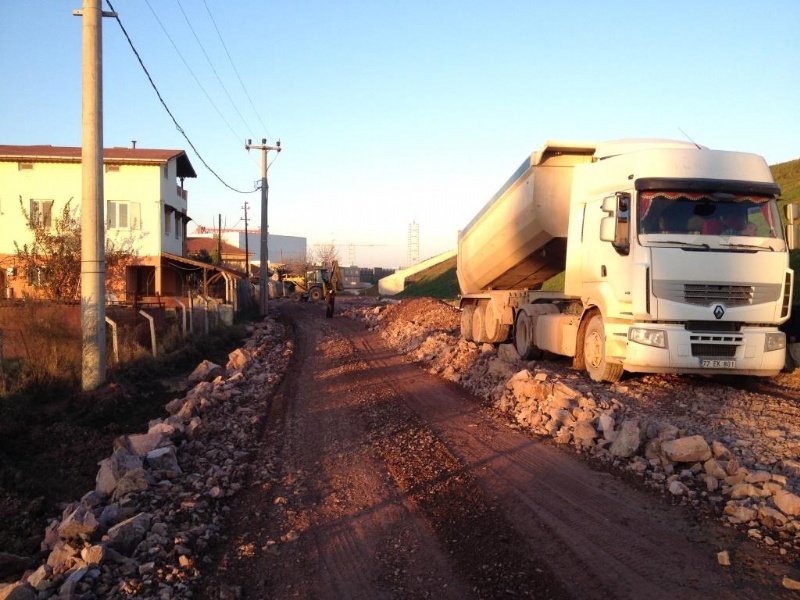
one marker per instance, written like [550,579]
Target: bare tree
[324,255]
[52,261]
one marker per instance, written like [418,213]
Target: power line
[222,85]
[169,112]
[235,70]
[191,72]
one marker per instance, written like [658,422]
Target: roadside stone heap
[693,467]
[733,450]
[159,499]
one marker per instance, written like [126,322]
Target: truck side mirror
[793,236]
[608,226]
[792,231]
[615,227]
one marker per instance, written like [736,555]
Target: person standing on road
[330,299]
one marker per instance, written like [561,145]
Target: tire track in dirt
[603,538]
[332,524]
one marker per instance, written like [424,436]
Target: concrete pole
[263,272]
[93,282]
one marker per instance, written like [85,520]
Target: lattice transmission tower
[413,243]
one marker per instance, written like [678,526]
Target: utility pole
[219,239]
[263,273]
[246,244]
[93,261]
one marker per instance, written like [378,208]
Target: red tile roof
[197,244]
[110,155]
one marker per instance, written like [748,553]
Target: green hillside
[787,175]
[440,280]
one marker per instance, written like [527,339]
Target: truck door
[606,253]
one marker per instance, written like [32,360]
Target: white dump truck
[674,260]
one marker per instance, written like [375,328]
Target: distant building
[282,248]
[373,275]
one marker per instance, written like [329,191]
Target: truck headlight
[648,337]
[774,341]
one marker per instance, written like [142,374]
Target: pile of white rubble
[158,504]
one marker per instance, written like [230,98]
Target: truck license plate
[713,363]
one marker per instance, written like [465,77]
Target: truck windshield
[708,214]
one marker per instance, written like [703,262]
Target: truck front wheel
[594,352]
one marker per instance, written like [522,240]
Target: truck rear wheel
[594,352]
[315,294]
[466,321]
[479,324]
[496,332]
[523,337]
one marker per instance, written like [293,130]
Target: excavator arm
[337,282]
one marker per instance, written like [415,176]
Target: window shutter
[47,213]
[33,213]
[122,207]
[135,215]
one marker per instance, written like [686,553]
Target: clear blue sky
[391,112]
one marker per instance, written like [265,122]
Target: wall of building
[143,191]
[282,248]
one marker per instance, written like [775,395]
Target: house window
[35,278]
[25,166]
[167,220]
[112,168]
[122,214]
[41,213]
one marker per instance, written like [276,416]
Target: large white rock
[628,440]
[584,431]
[508,353]
[17,591]
[205,371]
[163,459]
[787,502]
[687,449]
[80,521]
[126,535]
[713,468]
[113,468]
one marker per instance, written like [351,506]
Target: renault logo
[719,311]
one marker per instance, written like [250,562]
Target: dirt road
[387,482]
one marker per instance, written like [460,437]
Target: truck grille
[706,294]
[713,351]
[729,295]
[714,345]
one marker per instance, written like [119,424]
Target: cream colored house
[146,204]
